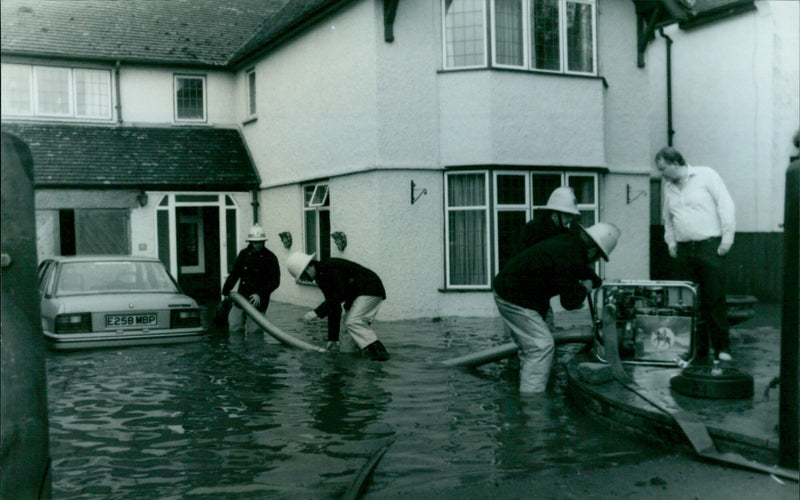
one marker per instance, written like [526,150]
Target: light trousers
[357,321]
[536,345]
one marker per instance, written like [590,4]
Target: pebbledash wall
[736,106]
[388,114]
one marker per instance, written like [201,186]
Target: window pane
[579,38]
[189,98]
[467,241]
[508,32]
[319,196]
[545,43]
[511,189]
[92,93]
[543,187]
[230,238]
[324,234]
[251,92]
[588,218]
[52,86]
[509,224]
[16,91]
[464,33]
[311,231]
[466,190]
[162,230]
[583,185]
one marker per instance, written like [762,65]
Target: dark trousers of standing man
[698,261]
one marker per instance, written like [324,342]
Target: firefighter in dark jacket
[524,287]
[257,271]
[553,219]
[344,284]
[559,216]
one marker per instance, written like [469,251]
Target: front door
[197,236]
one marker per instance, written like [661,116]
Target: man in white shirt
[699,225]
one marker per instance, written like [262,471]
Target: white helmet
[256,234]
[604,235]
[563,200]
[296,263]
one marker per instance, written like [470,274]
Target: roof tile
[194,158]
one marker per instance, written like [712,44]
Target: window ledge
[250,120]
[523,70]
[464,290]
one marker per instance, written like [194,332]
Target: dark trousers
[698,261]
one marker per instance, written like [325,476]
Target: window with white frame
[464,33]
[190,98]
[317,220]
[516,197]
[544,35]
[467,228]
[56,92]
[251,93]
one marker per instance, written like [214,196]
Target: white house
[425,132]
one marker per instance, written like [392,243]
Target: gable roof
[191,32]
[175,158]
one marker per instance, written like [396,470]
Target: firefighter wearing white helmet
[556,217]
[257,273]
[561,265]
[349,286]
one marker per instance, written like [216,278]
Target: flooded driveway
[241,416]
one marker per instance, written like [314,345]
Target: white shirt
[697,208]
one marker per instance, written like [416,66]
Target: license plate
[121,320]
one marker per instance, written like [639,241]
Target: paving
[747,426]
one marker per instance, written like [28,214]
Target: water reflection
[243,417]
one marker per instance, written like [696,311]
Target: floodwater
[241,416]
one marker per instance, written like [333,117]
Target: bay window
[476,249]
[543,35]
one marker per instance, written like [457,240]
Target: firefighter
[344,284]
[257,271]
[524,287]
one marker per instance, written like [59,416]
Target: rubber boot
[376,351]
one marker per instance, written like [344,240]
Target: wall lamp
[142,198]
[340,239]
[286,239]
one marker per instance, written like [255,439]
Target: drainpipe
[255,204]
[670,131]
[116,88]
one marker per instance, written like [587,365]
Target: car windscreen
[81,278]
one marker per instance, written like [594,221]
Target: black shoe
[376,351]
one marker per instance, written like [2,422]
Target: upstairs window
[190,101]
[465,33]
[251,93]
[543,35]
[56,92]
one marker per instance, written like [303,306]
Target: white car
[113,301]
